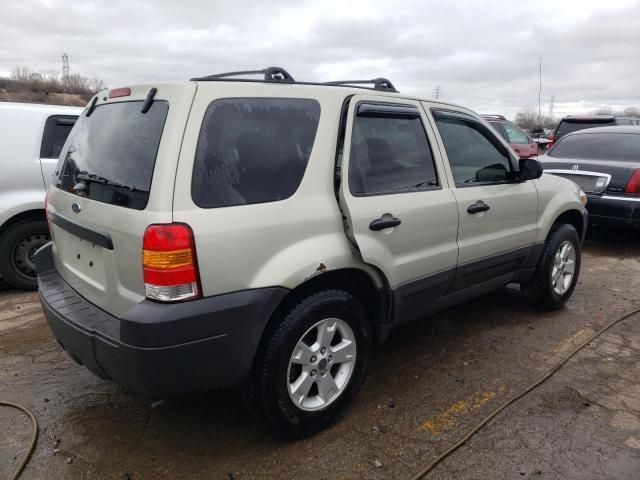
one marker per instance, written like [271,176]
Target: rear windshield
[623,147]
[109,156]
[568,126]
[253,150]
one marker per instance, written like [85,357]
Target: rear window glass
[599,146]
[109,156]
[568,127]
[253,150]
[56,131]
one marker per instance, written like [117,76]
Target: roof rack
[378,83]
[271,74]
[280,75]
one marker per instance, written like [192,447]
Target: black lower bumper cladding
[159,350]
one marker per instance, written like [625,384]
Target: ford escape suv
[267,233]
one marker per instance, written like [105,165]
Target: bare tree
[528,119]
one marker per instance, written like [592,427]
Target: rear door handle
[382,223]
[478,207]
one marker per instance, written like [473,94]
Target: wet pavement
[427,386]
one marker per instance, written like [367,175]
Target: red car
[522,143]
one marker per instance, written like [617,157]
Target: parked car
[524,145]
[268,233]
[573,123]
[605,163]
[31,137]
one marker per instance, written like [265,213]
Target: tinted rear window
[253,150]
[568,127]
[56,131]
[601,146]
[109,156]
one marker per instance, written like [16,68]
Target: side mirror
[530,169]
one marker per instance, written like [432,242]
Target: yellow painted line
[448,419]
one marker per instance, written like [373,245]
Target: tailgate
[115,177]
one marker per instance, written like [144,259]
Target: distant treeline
[29,86]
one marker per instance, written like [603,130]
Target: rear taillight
[633,186]
[169,263]
[552,138]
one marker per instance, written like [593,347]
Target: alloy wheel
[564,265]
[321,364]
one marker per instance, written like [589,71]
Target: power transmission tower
[551,102]
[436,92]
[66,80]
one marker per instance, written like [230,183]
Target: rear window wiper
[92,177]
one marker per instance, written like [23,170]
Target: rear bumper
[159,350]
[611,209]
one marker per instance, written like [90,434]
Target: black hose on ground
[34,436]
[423,473]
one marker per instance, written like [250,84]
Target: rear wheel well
[38,214]
[574,218]
[375,300]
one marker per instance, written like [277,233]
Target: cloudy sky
[482,54]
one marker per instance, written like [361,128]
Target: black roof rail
[378,84]
[280,75]
[271,74]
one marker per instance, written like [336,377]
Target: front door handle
[478,207]
[382,223]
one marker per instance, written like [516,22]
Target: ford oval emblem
[75,206]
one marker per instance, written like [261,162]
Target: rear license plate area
[81,257]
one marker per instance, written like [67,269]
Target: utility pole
[436,92]
[540,93]
[66,81]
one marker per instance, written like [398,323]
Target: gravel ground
[429,384]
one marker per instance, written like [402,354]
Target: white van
[31,137]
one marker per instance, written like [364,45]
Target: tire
[17,245]
[541,289]
[274,374]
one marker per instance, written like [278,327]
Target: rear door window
[253,150]
[110,156]
[56,131]
[390,153]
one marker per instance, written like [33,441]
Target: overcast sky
[482,54]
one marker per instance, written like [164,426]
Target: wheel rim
[24,253]
[564,267]
[321,364]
